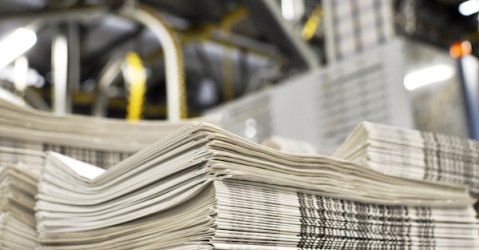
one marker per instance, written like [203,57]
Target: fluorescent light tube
[426,76]
[15,45]
[468,8]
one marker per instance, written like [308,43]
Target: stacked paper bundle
[26,133]
[18,188]
[203,188]
[414,154]
[355,26]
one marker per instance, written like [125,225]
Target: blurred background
[303,69]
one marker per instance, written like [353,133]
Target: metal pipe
[109,74]
[60,74]
[58,15]
[174,68]
[468,76]
[74,63]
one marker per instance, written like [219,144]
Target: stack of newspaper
[414,154]
[203,188]
[18,188]
[26,133]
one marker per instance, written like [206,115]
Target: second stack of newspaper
[203,188]
[414,154]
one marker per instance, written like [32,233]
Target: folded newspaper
[203,188]
[414,154]
[18,188]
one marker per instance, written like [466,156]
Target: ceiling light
[426,76]
[468,8]
[15,45]
[287,9]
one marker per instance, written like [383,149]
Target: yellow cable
[312,23]
[136,80]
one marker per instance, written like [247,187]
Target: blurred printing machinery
[308,70]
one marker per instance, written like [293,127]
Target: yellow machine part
[312,23]
[136,81]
